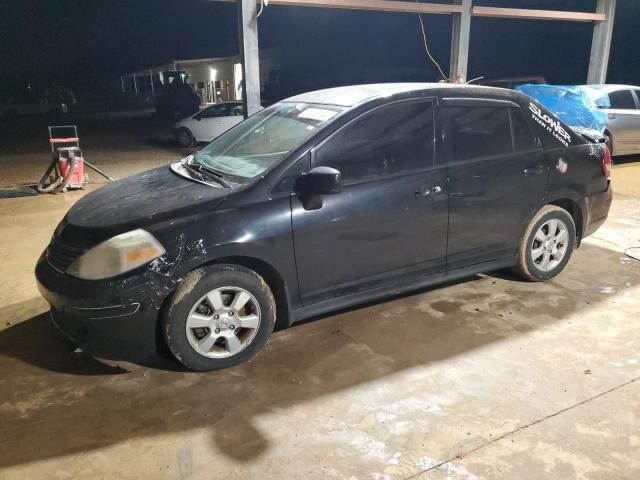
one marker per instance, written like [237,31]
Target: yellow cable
[426,47]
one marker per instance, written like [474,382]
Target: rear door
[623,121]
[390,220]
[497,172]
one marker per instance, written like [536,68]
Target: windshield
[262,140]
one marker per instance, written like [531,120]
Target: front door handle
[537,170]
[427,192]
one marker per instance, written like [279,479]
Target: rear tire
[546,245]
[218,317]
[184,137]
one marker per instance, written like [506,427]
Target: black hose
[65,181]
[53,184]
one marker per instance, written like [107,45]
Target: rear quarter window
[524,138]
[553,132]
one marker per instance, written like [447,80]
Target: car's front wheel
[218,317]
[547,244]
[184,137]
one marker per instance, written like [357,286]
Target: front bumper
[113,318]
[597,210]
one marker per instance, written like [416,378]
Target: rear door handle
[537,170]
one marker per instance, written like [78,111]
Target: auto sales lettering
[550,125]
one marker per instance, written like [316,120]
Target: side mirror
[320,181]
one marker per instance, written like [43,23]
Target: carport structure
[462,12]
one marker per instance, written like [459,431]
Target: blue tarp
[577,106]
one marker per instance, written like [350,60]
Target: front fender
[261,231]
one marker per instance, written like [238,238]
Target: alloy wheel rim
[549,245]
[223,322]
[184,138]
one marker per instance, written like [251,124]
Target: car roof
[608,88]
[353,95]
[233,102]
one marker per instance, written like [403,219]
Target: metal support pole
[135,84]
[122,83]
[153,90]
[460,32]
[601,43]
[249,55]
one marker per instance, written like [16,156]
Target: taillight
[607,162]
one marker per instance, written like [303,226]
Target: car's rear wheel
[184,137]
[218,317]
[547,244]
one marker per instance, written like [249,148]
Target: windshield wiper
[201,168]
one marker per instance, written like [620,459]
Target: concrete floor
[485,378]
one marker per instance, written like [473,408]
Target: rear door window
[551,131]
[622,100]
[475,132]
[390,140]
[215,112]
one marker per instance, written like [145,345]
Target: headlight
[117,255]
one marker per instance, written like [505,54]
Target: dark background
[87,44]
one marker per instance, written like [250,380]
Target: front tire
[546,245]
[218,317]
[184,137]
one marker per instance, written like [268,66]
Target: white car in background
[208,123]
[622,106]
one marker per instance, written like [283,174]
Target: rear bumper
[597,210]
[116,318]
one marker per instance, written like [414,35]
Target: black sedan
[320,202]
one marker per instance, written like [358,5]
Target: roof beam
[377,5]
[440,8]
[528,14]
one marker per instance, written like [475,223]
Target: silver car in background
[622,106]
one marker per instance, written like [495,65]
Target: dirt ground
[486,378]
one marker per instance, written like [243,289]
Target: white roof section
[353,95]
[608,88]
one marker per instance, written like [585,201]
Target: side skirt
[387,291]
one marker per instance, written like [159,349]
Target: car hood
[143,199]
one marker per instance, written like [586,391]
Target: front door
[496,180]
[390,220]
